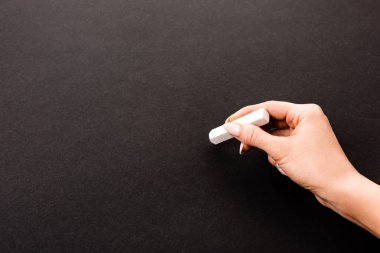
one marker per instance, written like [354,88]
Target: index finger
[276,109]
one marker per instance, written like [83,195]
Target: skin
[303,146]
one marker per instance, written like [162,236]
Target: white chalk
[258,118]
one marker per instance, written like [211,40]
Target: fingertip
[241,148]
[244,148]
[233,128]
[230,118]
[279,169]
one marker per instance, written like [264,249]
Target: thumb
[255,136]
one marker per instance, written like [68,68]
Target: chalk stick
[258,118]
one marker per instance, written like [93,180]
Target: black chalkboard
[105,109]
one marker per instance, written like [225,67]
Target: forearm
[358,199]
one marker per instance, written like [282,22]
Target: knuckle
[269,104]
[315,110]
[251,136]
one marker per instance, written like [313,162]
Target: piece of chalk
[257,118]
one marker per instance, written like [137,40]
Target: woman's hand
[303,146]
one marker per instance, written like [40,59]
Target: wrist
[357,199]
[344,191]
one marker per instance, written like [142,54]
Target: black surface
[105,109]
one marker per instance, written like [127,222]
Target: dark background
[105,109]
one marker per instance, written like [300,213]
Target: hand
[304,147]
[303,144]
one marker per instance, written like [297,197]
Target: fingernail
[241,148]
[227,120]
[280,170]
[232,128]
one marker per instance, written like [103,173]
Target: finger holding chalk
[258,118]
